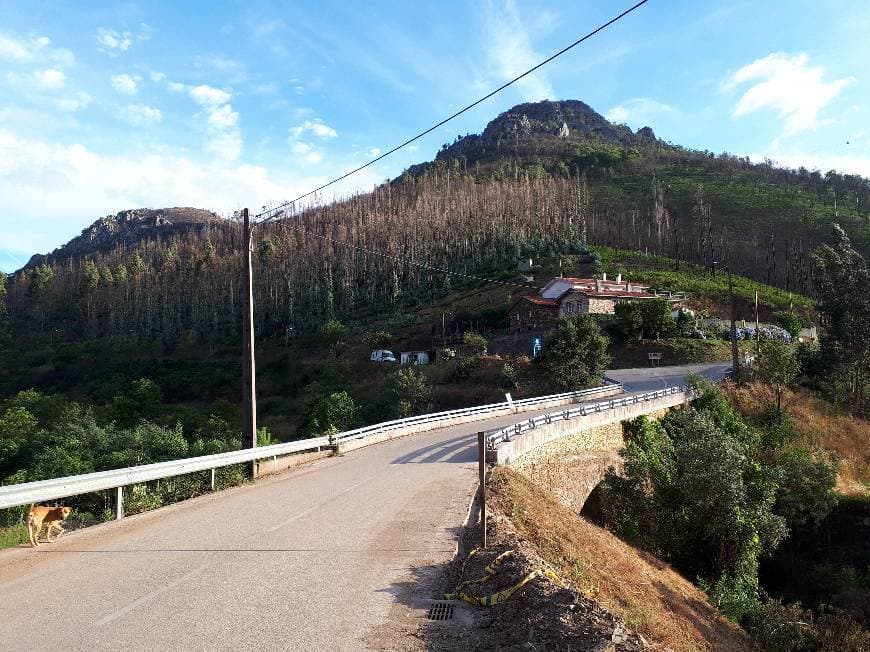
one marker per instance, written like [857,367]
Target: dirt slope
[640,590]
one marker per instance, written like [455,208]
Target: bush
[575,354]
[790,628]
[407,391]
[509,376]
[465,366]
[378,339]
[335,412]
[790,321]
[476,341]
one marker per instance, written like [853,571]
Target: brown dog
[37,516]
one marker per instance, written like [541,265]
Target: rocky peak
[128,228]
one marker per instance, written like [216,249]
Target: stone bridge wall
[571,466]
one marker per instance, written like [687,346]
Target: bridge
[324,556]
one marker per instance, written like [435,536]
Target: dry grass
[820,426]
[651,597]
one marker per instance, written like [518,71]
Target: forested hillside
[542,179]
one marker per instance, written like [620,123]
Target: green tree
[805,493]
[476,341]
[330,414]
[378,339]
[407,391]
[791,322]
[657,320]
[778,366]
[575,354]
[5,327]
[842,278]
[90,277]
[333,334]
[141,401]
[630,318]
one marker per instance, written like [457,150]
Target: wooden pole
[757,329]
[481,467]
[249,391]
[735,360]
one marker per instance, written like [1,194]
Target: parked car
[383,355]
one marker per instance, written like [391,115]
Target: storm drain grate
[441,610]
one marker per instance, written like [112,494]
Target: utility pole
[249,391]
[757,328]
[735,361]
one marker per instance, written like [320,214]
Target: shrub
[790,321]
[509,376]
[476,341]
[408,391]
[378,339]
[575,355]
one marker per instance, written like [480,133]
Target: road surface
[312,559]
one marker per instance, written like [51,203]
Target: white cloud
[639,111]
[157,77]
[223,117]
[316,127]
[114,41]
[62,188]
[790,86]
[302,149]
[140,115]
[75,102]
[509,52]
[176,87]
[50,79]
[224,137]
[125,84]
[209,96]
[842,163]
[34,50]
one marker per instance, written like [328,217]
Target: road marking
[306,512]
[105,620]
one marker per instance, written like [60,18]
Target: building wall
[528,316]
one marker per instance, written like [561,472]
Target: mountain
[546,122]
[542,179]
[127,229]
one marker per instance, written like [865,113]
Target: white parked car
[382,355]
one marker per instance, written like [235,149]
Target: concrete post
[119,503]
[481,467]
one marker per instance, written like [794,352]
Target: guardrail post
[212,479]
[481,468]
[119,504]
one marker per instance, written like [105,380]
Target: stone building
[563,297]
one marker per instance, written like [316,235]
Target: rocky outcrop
[128,228]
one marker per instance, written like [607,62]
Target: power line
[406,261]
[277,209]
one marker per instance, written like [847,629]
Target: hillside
[609,588]
[542,179]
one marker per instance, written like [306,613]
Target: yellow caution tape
[505,594]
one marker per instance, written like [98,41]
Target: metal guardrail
[497,435]
[54,489]
[435,417]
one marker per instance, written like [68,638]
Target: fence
[57,488]
[494,437]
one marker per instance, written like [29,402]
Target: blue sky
[220,105]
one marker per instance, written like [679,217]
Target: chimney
[598,285]
[619,278]
[603,276]
[627,286]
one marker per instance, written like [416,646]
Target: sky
[223,105]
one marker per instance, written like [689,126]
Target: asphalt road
[312,559]
[652,378]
